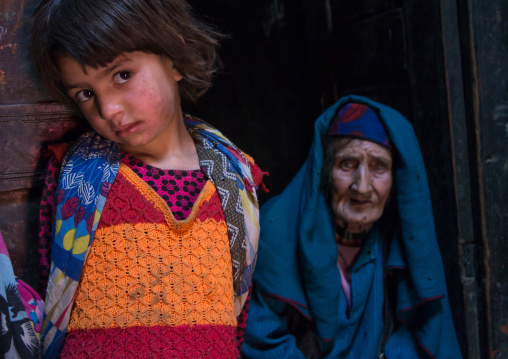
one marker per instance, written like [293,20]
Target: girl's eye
[84,95]
[122,77]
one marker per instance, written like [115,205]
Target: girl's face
[362,181]
[133,101]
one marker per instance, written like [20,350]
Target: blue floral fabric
[17,336]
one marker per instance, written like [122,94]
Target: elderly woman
[348,264]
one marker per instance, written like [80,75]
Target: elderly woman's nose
[362,181]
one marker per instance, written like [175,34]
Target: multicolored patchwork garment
[150,285]
[20,313]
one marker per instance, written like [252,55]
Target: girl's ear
[166,61]
[176,74]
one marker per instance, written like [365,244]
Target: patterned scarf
[89,169]
[17,336]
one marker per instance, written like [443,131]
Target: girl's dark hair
[94,32]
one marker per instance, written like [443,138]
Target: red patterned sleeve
[242,322]
[47,214]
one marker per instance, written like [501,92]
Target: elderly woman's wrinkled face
[362,180]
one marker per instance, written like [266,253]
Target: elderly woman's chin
[357,217]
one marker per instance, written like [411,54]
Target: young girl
[152,217]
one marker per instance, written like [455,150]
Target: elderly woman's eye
[380,167]
[348,164]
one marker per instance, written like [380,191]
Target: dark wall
[262,99]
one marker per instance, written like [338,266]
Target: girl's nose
[362,182]
[110,107]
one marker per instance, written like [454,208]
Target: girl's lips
[128,130]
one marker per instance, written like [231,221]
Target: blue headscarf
[298,262]
[359,121]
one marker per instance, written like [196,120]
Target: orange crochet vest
[152,286]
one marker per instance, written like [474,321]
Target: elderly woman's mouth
[360,202]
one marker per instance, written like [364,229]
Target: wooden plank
[488,24]
[25,131]
[18,225]
[459,128]
[18,79]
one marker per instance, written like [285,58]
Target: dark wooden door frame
[484,37]
[459,127]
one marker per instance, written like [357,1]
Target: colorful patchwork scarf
[89,169]
[19,306]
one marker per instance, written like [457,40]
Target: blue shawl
[298,257]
